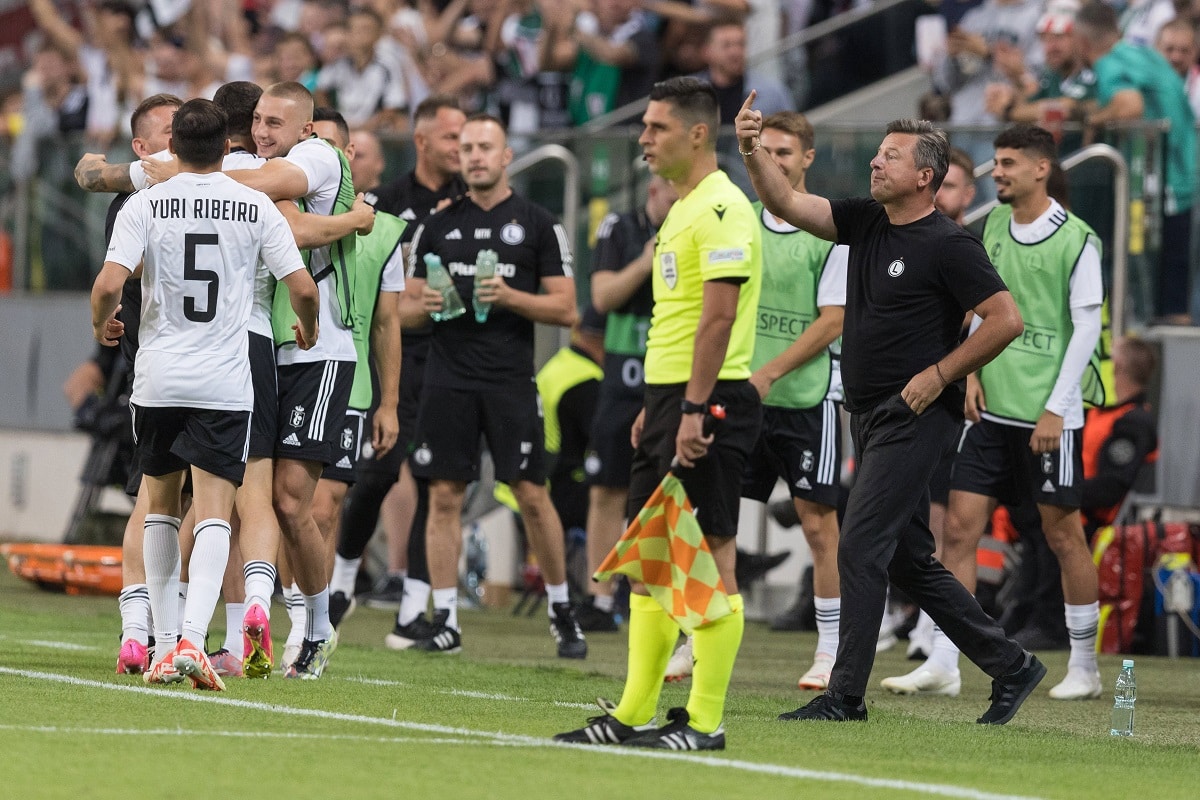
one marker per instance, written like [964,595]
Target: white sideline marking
[468,693]
[499,738]
[57,645]
[235,734]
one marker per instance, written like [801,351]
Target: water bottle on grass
[1122,714]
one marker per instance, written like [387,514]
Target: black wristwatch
[688,407]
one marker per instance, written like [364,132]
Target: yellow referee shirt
[710,234]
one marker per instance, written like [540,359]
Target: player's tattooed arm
[93,173]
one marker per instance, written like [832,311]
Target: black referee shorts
[714,484]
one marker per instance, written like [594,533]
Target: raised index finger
[746,106]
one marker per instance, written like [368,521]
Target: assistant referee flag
[665,549]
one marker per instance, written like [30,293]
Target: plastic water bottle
[485,267]
[1122,715]
[440,281]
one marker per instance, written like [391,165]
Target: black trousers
[886,535]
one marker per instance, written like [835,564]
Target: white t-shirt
[201,239]
[335,342]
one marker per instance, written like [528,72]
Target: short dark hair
[1034,140]
[363,11]
[932,150]
[198,132]
[327,114]
[693,100]
[430,106]
[238,99]
[792,122]
[1097,19]
[483,116]
[146,106]
[962,159]
[1142,360]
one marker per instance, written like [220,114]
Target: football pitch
[478,725]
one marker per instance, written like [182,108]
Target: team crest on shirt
[1047,463]
[806,461]
[347,439]
[297,417]
[666,266]
[512,233]
[896,268]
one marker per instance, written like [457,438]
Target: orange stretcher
[70,568]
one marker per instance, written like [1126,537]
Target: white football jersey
[200,239]
[321,165]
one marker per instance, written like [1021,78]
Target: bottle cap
[1127,662]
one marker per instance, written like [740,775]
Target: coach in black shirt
[479,377]
[911,276]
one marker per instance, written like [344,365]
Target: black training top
[530,245]
[907,289]
[411,201]
[620,239]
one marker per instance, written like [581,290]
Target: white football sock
[134,602]
[414,602]
[829,615]
[556,593]
[206,569]
[1083,622]
[345,572]
[234,612]
[316,613]
[447,600]
[260,584]
[160,554]
[945,653]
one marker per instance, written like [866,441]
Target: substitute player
[199,237]
[800,313]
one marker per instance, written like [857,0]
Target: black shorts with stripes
[804,447]
[995,460]
[313,399]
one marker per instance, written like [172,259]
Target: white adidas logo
[803,484]
[1048,486]
[292,439]
[454,234]
[345,463]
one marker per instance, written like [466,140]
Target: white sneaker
[1081,683]
[817,677]
[925,679]
[680,665]
[920,640]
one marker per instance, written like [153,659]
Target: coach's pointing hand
[748,124]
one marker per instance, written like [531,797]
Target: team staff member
[621,288]
[911,277]
[479,378]
[707,275]
[192,392]
[800,314]
[1027,404]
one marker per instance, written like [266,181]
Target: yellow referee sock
[652,637]
[714,649]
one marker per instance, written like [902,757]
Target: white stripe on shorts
[316,425]
[826,467]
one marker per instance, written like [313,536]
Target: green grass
[384,724]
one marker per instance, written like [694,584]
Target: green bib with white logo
[372,253]
[1018,382]
[340,270]
[792,267]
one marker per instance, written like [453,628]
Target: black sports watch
[688,407]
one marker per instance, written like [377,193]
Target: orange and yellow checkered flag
[665,549]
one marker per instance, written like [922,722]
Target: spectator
[296,60]
[369,93]
[1134,83]
[1177,43]
[106,56]
[613,54]
[725,55]
[1142,19]
[55,110]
